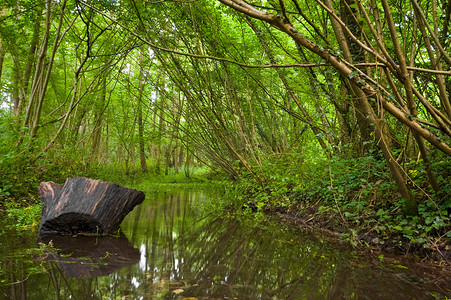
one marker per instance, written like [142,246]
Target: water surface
[169,248]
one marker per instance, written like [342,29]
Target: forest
[329,110]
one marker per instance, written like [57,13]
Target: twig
[18,282]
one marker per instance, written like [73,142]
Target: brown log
[84,205]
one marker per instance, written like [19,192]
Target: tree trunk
[15,93]
[142,153]
[99,107]
[30,60]
[2,51]
[365,113]
[2,57]
[43,70]
[306,116]
[84,205]
[161,129]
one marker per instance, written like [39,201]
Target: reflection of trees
[226,257]
[222,257]
[232,259]
[218,257]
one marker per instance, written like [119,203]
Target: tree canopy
[272,91]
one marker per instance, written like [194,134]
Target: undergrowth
[356,198]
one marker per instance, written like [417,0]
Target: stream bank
[179,249]
[366,240]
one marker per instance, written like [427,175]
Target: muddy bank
[363,239]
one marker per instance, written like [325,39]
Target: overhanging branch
[241,64]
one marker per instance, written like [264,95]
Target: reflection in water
[88,256]
[184,254]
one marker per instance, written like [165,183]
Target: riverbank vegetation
[337,111]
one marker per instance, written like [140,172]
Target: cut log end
[84,205]
[72,223]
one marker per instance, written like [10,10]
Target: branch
[431,32]
[390,64]
[244,65]
[432,71]
[337,63]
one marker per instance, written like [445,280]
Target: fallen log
[84,205]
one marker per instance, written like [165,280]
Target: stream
[170,248]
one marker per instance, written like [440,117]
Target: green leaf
[399,228]
[353,74]
[399,266]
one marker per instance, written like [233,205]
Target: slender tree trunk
[99,107]
[187,163]
[2,50]
[142,153]
[30,61]
[2,57]
[43,70]
[408,86]
[167,157]
[33,110]
[15,94]
[345,70]
[161,129]
[181,154]
[159,111]
[365,113]
[306,117]
[72,105]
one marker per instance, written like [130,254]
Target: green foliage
[431,225]
[26,217]
[21,173]
[290,137]
[201,177]
[19,250]
[357,194]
